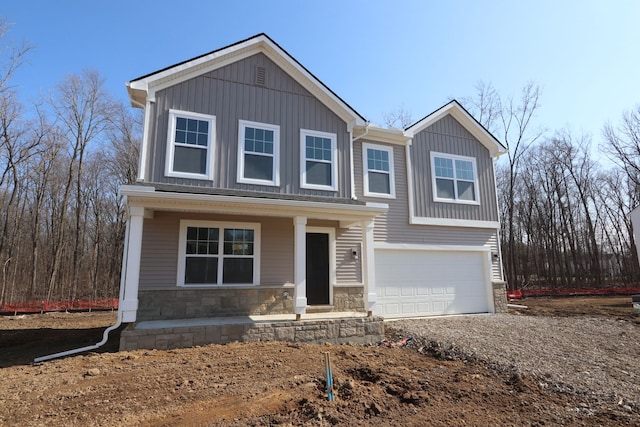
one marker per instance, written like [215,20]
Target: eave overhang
[375,133]
[346,214]
[457,111]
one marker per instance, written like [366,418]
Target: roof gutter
[105,335]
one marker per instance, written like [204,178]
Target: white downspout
[105,335]
[495,186]
[353,182]
[142,165]
[351,163]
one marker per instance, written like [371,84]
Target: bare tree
[486,105]
[623,144]
[83,110]
[398,118]
[511,119]
[12,56]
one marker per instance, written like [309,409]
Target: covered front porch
[279,293]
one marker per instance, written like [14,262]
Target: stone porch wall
[222,302]
[500,296]
[197,303]
[360,330]
[348,298]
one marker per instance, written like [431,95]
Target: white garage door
[412,283]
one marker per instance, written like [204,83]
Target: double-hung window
[190,144]
[218,253]
[258,153]
[318,162]
[378,171]
[454,179]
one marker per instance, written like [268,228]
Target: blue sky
[377,55]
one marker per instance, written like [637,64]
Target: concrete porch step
[319,308]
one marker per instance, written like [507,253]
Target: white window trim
[455,180]
[182,249]
[242,124]
[173,114]
[365,171]
[303,160]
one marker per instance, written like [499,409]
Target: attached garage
[421,282]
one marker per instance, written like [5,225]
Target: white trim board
[433,248]
[448,222]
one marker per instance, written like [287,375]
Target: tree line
[564,203]
[62,160]
[564,214]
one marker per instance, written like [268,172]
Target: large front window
[454,178]
[190,145]
[318,160]
[213,253]
[258,147]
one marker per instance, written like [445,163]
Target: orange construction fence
[566,292]
[73,305]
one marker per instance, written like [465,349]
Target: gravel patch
[595,357]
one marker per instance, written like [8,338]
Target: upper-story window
[378,171]
[318,160]
[258,153]
[454,179]
[190,145]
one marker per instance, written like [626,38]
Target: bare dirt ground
[275,383]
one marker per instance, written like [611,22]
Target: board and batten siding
[158,264]
[450,137]
[231,94]
[394,227]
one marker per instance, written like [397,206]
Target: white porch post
[300,264]
[131,268]
[368,266]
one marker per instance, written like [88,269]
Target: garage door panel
[424,307]
[414,283]
[392,309]
[407,292]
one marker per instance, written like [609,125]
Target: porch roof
[177,198]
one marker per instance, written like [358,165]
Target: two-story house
[263,195]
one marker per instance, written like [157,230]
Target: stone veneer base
[358,330]
[500,296]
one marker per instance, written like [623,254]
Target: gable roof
[457,111]
[144,87]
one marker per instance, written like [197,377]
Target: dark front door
[317,268]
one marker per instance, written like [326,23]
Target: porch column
[131,266]
[368,266]
[300,264]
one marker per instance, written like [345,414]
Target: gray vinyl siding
[348,269]
[158,261]
[394,227]
[397,217]
[230,94]
[158,265]
[449,136]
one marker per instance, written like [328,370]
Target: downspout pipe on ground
[105,335]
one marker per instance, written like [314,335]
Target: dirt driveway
[436,380]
